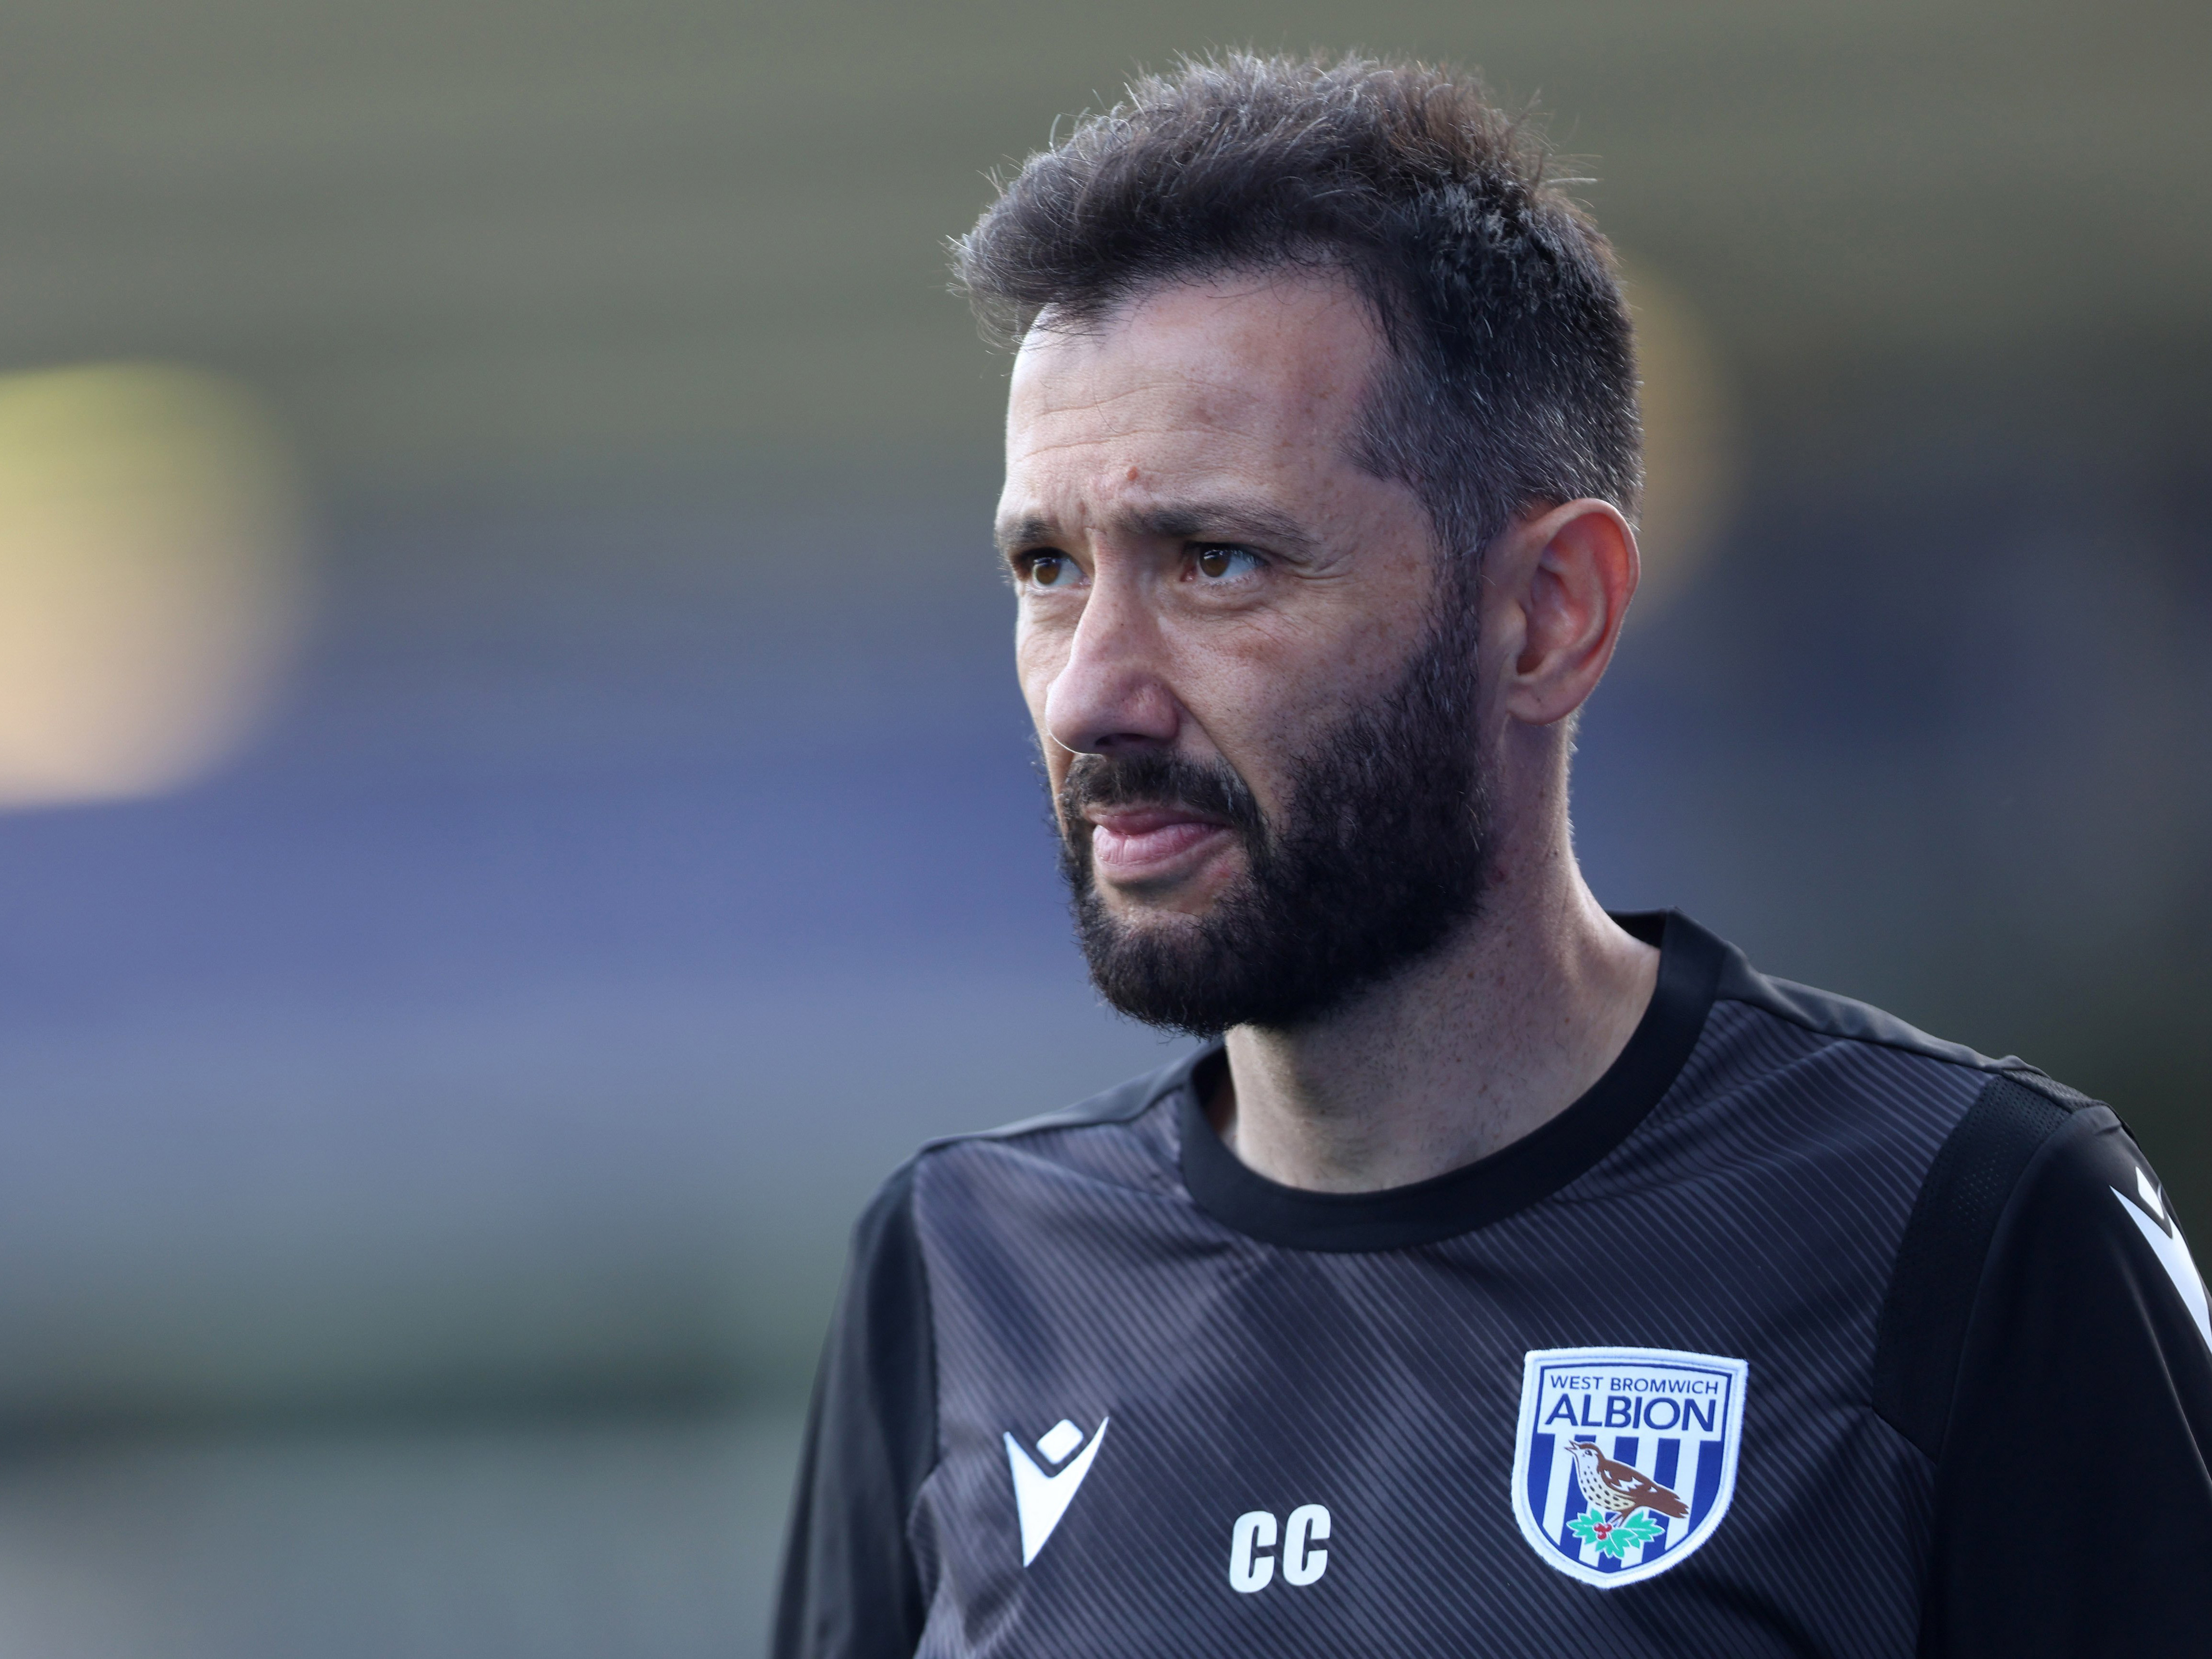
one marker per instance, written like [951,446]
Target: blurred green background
[513,812]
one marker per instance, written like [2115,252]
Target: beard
[1380,856]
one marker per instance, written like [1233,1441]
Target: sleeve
[851,1588]
[2073,1507]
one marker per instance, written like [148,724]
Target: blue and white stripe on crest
[1674,1419]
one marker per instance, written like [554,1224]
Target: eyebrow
[1013,533]
[1226,521]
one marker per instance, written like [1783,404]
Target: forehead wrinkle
[1214,394]
[1175,409]
[1030,448]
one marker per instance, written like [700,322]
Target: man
[1501,1277]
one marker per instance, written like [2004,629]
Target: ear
[1556,587]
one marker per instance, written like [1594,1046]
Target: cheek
[1283,684]
[1253,705]
[1270,670]
[1037,662]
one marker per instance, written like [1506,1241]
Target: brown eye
[1216,563]
[1047,568]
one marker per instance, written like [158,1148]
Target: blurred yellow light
[1692,457]
[151,585]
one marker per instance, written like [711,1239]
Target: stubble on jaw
[1380,856]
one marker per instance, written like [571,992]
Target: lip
[1130,844]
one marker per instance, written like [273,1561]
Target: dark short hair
[1513,378]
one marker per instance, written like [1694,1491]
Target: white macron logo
[2172,1252]
[1040,1498]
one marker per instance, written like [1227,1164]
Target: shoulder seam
[2008,1066]
[1936,1278]
[1743,984]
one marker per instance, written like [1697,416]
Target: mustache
[1158,778]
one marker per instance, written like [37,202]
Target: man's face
[1252,678]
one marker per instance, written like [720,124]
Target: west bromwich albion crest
[1624,1460]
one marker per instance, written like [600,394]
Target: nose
[1111,696]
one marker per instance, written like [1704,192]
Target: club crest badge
[1624,1460]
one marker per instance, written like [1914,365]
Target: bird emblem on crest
[1601,1519]
[1614,1492]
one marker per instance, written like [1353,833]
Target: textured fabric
[2073,1503]
[1744,1199]
[874,1441]
[1933,1290]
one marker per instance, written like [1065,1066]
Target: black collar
[1510,1179]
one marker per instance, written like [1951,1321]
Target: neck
[1458,1055]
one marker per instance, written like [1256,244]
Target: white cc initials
[1250,1571]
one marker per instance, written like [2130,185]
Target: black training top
[1801,1333]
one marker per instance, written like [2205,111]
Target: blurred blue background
[439,1066]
